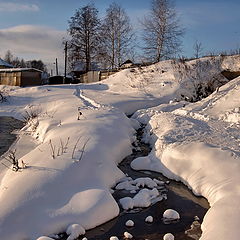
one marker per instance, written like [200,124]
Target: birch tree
[117,36]
[84,32]
[198,49]
[162,32]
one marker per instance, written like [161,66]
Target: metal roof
[5,64]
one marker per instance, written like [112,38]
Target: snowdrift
[199,145]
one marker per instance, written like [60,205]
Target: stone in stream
[114,238]
[170,215]
[149,219]
[128,235]
[168,236]
[129,223]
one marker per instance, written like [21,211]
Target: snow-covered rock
[44,238]
[168,236]
[143,198]
[127,203]
[114,238]
[129,223]
[133,185]
[145,182]
[171,214]
[128,185]
[74,231]
[149,219]
[128,235]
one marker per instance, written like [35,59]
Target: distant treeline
[21,63]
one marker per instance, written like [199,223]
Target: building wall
[89,77]
[95,76]
[106,74]
[31,79]
[21,79]
[10,78]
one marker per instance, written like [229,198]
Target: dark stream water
[7,126]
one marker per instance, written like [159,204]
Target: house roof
[5,64]
[127,62]
[20,70]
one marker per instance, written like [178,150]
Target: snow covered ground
[200,145]
[81,133]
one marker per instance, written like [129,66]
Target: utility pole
[65,67]
[56,67]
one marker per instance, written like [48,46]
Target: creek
[7,135]
[179,198]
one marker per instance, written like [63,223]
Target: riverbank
[7,134]
[179,198]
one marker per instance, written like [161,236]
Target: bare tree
[8,56]
[21,63]
[84,32]
[198,49]
[38,64]
[117,36]
[162,32]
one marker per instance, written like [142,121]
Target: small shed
[127,64]
[20,77]
[4,64]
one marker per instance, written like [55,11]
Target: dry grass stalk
[52,149]
[75,146]
[83,150]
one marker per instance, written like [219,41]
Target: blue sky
[35,28]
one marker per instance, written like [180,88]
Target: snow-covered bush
[202,76]
[12,159]
[31,112]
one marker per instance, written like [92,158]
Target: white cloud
[33,42]
[18,7]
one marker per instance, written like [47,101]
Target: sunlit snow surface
[73,165]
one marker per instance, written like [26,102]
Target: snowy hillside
[200,145]
[163,82]
[81,133]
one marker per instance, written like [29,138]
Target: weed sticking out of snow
[195,230]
